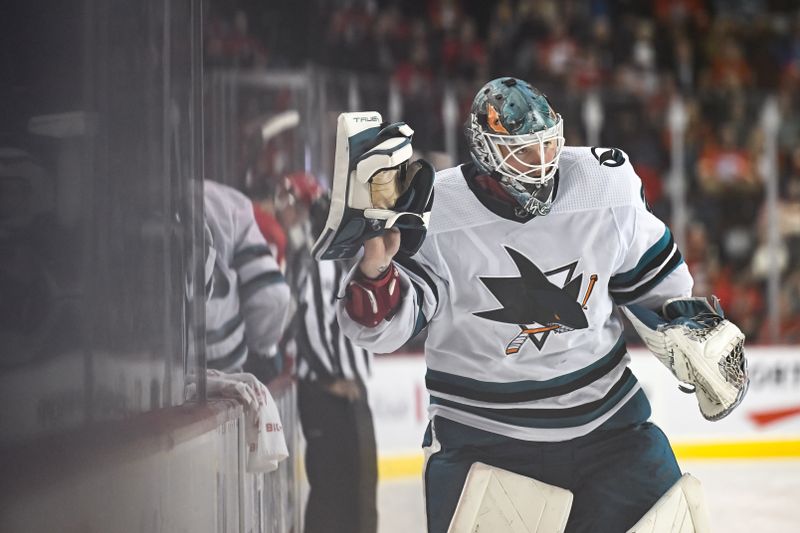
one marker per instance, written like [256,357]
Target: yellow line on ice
[400,466]
[407,466]
[757,449]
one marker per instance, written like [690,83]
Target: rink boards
[766,425]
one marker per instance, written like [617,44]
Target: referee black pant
[341,461]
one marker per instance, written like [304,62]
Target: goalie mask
[515,135]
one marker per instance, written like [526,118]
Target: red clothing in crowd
[273,233]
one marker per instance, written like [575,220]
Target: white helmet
[508,118]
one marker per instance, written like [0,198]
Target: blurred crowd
[724,59]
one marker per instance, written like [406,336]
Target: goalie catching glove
[702,349]
[375,188]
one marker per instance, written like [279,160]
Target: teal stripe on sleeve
[625,278]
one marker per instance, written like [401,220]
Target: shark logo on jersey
[535,304]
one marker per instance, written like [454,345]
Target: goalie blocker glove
[375,188]
[702,349]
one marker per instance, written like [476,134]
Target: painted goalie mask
[515,135]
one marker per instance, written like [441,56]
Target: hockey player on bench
[515,266]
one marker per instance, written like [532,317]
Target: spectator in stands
[681,12]
[789,326]
[464,56]
[230,44]
[684,63]
[789,129]
[789,208]
[745,304]
[559,52]
[729,68]
[728,182]
[244,50]
[712,53]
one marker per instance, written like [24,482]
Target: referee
[341,458]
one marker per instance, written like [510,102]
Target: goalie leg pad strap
[681,509]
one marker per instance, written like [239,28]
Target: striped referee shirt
[323,352]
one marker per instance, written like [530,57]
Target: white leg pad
[681,509]
[496,500]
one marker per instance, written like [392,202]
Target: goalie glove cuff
[369,301]
[695,313]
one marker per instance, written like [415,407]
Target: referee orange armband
[369,301]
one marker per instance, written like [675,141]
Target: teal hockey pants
[616,475]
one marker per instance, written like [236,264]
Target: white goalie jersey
[522,336]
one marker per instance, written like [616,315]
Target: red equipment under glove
[369,301]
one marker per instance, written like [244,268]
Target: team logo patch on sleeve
[536,305]
[609,157]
